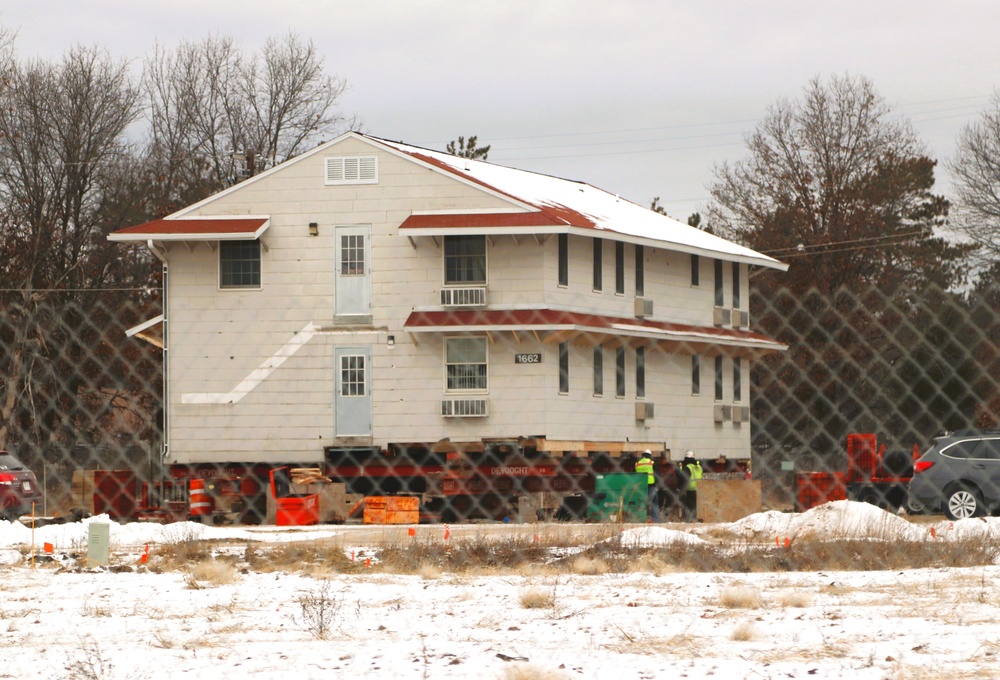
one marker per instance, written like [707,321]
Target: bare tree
[837,185]
[976,168]
[64,178]
[219,114]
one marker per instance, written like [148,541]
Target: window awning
[214,228]
[552,326]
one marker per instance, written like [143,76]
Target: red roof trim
[195,227]
[460,319]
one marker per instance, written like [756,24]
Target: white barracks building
[368,292]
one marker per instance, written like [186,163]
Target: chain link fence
[80,395]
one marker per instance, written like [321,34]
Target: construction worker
[645,466]
[691,473]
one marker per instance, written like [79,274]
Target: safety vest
[645,466]
[694,474]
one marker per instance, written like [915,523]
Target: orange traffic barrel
[201,502]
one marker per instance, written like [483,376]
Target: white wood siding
[217,338]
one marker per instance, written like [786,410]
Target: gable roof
[561,206]
[539,204]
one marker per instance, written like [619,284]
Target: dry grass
[740,597]
[212,572]
[525,671]
[796,598]
[537,598]
[743,632]
[532,556]
[588,566]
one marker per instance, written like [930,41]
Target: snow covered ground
[108,623]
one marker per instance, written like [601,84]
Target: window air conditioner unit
[463,297]
[643,410]
[722,413]
[643,307]
[741,318]
[464,408]
[741,414]
[721,316]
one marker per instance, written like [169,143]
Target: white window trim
[337,170]
[444,362]
[231,289]
[466,284]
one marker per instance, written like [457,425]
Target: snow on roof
[582,205]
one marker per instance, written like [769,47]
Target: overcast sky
[639,97]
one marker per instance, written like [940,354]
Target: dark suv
[18,489]
[960,474]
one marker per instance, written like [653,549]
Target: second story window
[720,297]
[640,273]
[464,260]
[563,259]
[598,264]
[239,264]
[619,268]
[695,270]
[736,285]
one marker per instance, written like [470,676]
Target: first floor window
[695,374]
[620,372]
[640,371]
[737,380]
[598,370]
[239,264]
[464,259]
[718,378]
[564,368]
[466,363]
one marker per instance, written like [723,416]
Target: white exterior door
[353,403]
[353,266]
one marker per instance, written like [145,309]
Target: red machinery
[872,476]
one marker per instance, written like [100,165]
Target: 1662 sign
[527,358]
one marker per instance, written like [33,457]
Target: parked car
[960,474]
[18,488]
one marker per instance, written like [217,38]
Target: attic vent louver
[352,170]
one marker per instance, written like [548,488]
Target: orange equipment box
[292,509]
[392,510]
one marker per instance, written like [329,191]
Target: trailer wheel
[963,502]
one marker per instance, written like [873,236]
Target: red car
[18,489]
